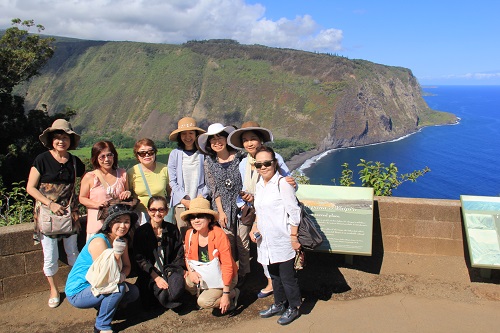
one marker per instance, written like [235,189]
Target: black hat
[117,210]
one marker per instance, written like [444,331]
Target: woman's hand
[186,203]
[295,243]
[225,302]
[291,181]
[252,234]
[248,197]
[194,277]
[222,219]
[124,195]
[56,208]
[161,283]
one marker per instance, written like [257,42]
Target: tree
[383,179]
[22,54]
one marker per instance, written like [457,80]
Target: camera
[257,235]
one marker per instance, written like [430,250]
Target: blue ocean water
[464,158]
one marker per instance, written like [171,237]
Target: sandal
[54,302]
[263,293]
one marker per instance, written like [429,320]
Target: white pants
[51,252]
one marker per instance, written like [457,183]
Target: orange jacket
[217,239]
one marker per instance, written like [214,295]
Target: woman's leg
[279,291]
[290,283]
[210,298]
[50,265]
[71,248]
[243,244]
[269,286]
[181,224]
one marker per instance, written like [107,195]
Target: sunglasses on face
[266,164]
[197,216]
[217,139]
[108,155]
[159,210]
[146,153]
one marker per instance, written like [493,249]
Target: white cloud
[171,21]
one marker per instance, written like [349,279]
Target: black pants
[285,283]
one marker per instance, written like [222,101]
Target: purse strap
[144,180]
[99,175]
[74,182]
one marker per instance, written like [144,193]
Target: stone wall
[405,225]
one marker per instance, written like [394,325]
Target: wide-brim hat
[185,124]
[117,210]
[60,125]
[234,138]
[199,206]
[213,129]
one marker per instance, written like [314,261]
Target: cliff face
[143,89]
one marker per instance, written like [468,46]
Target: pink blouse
[99,193]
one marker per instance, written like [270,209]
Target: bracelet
[50,202]
[226,292]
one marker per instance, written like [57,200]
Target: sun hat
[60,125]
[185,124]
[117,210]
[213,129]
[199,206]
[234,139]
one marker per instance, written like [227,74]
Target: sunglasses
[146,153]
[198,216]
[159,210]
[108,155]
[266,164]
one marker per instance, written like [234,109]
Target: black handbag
[308,234]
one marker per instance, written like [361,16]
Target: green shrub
[16,206]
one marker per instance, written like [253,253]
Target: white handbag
[211,273]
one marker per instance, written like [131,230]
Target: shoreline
[307,159]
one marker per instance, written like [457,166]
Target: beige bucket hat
[199,206]
[185,124]
[234,139]
[60,125]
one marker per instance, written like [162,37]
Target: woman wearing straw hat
[251,136]
[185,168]
[51,182]
[204,242]
[222,176]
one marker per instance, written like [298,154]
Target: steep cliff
[143,89]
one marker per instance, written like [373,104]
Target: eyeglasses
[146,153]
[159,210]
[197,216]
[266,164]
[217,139]
[108,155]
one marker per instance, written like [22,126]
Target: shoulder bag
[211,273]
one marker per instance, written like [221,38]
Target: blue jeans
[107,304]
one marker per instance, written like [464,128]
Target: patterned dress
[224,181]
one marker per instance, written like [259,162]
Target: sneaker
[274,310]
[288,316]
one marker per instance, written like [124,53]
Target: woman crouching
[204,242]
[97,278]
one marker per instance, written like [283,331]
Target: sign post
[344,216]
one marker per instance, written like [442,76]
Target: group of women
[208,179]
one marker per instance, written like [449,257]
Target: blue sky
[441,41]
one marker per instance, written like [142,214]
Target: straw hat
[185,124]
[213,129]
[199,206]
[234,138]
[60,125]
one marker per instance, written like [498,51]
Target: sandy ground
[384,293]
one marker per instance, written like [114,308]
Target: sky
[443,42]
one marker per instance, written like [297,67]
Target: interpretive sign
[344,216]
[482,228]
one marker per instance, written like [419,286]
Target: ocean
[464,158]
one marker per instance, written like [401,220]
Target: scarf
[251,177]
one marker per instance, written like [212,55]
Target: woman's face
[251,142]
[106,159]
[200,222]
[121,225]
[188,137]
[146,155]
[218,143]
[261,160]
[61,142]
[157,211]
